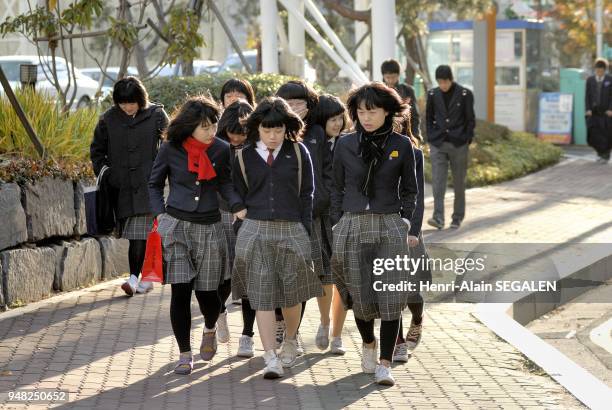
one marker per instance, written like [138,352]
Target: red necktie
[270,157]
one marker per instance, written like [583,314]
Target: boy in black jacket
[450,130]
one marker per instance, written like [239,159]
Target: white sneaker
[245,346]
[336,346]
[368,357]
[400,354]
[383,376]
[223,335]
[288,353]
[273,369]
[322,338]
[144,287]
[130,285]
[280,333]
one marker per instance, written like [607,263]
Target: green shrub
[65,136]
[172,91]
[498,154]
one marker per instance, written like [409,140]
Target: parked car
[199,67]
[107,85]
[85,86]
[233,63]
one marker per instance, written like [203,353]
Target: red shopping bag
[153,266]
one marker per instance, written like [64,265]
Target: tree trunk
[196,6]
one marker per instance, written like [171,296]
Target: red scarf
[197,159]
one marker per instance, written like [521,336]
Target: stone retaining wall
[43,242]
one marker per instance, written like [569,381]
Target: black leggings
[136,255]
[248,318]
[180,311]
[224,291]
[416,309]
[388,335]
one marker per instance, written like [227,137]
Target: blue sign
[555,118]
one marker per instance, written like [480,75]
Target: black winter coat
[129,146]
[454,124]
[316,143]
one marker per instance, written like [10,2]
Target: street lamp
[28,74]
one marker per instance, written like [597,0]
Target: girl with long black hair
[373,202]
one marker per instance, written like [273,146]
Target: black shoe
[455,224]
[435,223]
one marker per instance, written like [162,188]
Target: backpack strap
[296,146]
[242,168]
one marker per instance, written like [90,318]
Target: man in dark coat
[599,111]
[450,130]
[391,73]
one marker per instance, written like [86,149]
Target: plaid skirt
[193,252]
[320,258]
[230,238]
[360,239]
[273,265]
[137,227]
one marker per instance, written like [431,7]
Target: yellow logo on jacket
[394,154]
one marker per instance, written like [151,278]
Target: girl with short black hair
[331,115]
[126,141]
[273,263]
[236,89]
[231,129]
[373,201]
[303,100]
[197,167]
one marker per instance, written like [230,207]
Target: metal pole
[312,32]
[363,52]
[231,37]
[599,27]
[297,36]
[383,34]
[40,149]
[314,11]
[269,41]
[491,18]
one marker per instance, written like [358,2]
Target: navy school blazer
[186,192]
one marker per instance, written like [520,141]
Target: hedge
[172,91]
[498,154]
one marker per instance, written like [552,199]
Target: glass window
[465,76]
[518,45]
[508,76]
[439,51]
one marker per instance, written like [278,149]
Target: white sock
[207,330]
[135,278]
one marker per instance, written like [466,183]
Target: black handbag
[100,203]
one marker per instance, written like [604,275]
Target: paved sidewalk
[111,351]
